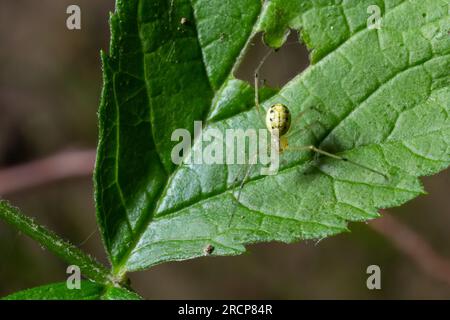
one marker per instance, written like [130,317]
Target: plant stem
[89,267]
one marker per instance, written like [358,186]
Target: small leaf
[88,291]
[65,250]
[383,97]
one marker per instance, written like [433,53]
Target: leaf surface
[383,97]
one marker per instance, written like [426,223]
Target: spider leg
[256,78]
[335,156]
[306,128]
[299,116]
[241,185]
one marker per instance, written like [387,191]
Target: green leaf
[65,250]
[88,291]
[384,101]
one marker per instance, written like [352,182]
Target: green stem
[65,250]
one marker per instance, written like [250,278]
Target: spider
[277,121]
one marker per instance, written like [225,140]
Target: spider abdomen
[278,117]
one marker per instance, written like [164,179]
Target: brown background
[50,81]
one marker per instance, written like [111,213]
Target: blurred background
[50,83]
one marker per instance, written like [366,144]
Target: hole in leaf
[280,67]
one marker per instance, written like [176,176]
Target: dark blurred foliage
[50,82]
